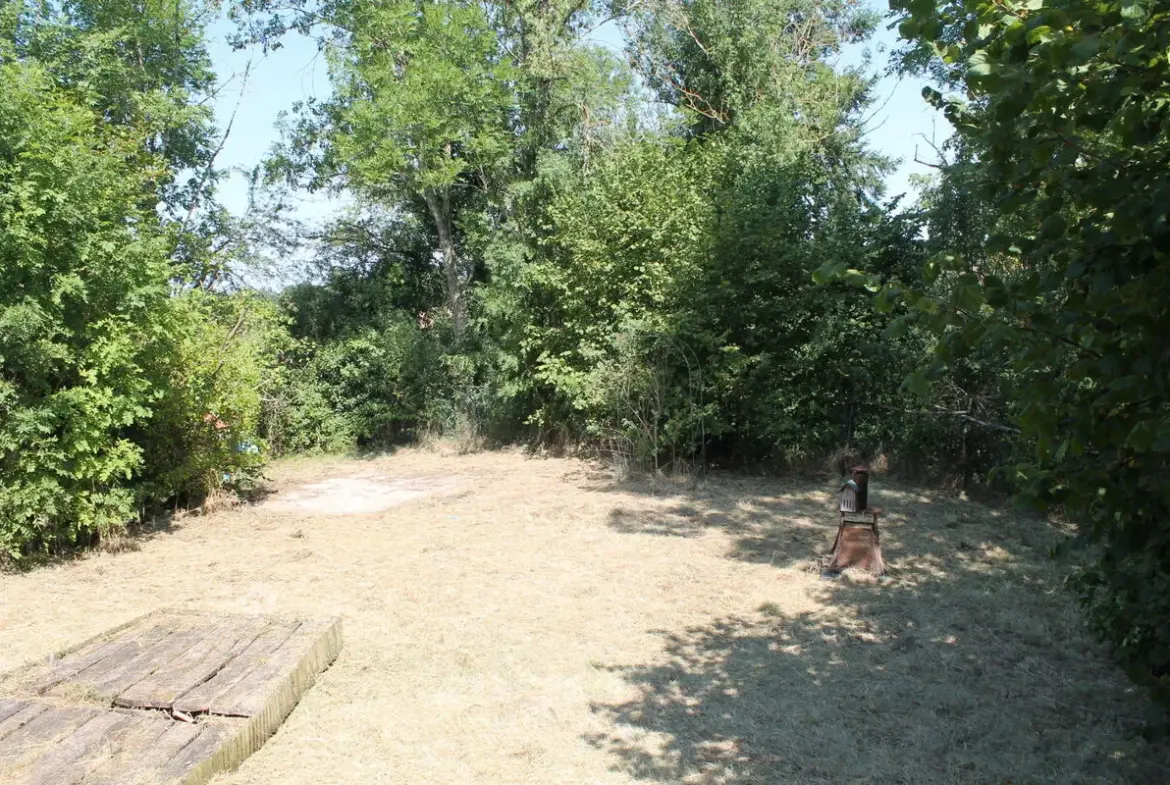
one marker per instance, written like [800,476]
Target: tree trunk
[964,461]
[440,207]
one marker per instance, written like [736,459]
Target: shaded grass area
[972,666]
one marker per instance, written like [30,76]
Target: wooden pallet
[171,698]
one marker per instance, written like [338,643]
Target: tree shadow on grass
[972,666]
[788,522]
[681,521]
[747,509]
[162,523]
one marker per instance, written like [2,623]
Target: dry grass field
[521,620]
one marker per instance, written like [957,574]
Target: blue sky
[899,120]
[275,82]
[900,124]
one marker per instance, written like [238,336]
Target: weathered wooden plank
[67,761]
[291,667]
[143,764]
[197,761]
[319,644]
[128,644]
[126,757]
[271,638]
[139,648]
[18,720]
[9,706]
[115,677]
[44,725]
[193,667]
[26,712]
[23,681]
[16,682]
[257,669]
[24,745]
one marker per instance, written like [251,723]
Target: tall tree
[422,111]
[443,104]
[135,60]
[761,65]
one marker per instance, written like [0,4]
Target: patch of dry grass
[535,622]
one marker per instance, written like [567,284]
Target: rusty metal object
[858,541]
[858,545]
[855,492]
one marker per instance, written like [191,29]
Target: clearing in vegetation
[664,230]
[532,621]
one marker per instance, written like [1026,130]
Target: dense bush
[1065,136]
[374,387]
[83,304]
[627,242]
[298,415]
[671,313]
[203,432]
[114,367]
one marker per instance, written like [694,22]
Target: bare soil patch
[534,622]
[357,495]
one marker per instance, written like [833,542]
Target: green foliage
[82,300]
[648,409]
[384,380]
[618,300]
[626,242]
[1070,113]
[141,66]
[299,416]
[757,69]
[373,387]
[367,263]
[203,433]
[420,113]
[423,100]
[670,308]
[105,159]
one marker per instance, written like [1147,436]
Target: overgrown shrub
[1064,116]
[298,416]
[203,432]
[375,387]
[645,406]
[84,307]
[628,241]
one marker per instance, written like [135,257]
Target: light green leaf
[980,65]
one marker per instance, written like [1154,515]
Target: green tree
[1068,110]
[623,270]
[420,114]
[628,241]
[83,298]
[761,66]
[451,119]
[141,64]
[103,156]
